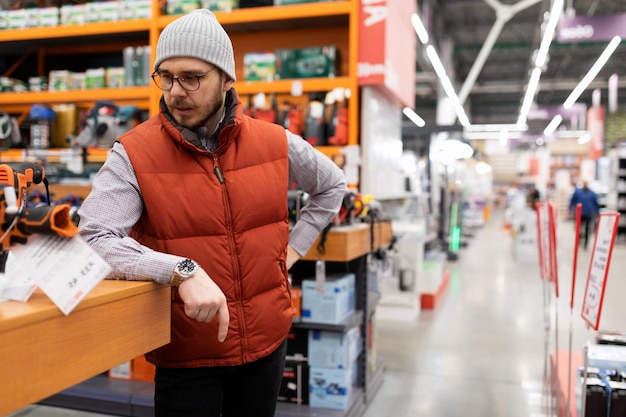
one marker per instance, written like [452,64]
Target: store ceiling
[498,91]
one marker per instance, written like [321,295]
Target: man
[589,209]
[196,197]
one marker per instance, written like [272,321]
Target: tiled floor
[482,350]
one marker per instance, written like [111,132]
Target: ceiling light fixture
[584,138]
[593,71]
[554,123]
[414,117]
[435,61]
[420,29]
[548,34]
[448,88]
[531,89]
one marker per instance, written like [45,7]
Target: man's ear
[228,84]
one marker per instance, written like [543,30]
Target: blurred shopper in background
[589,210]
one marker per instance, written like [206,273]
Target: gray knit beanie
[199,35]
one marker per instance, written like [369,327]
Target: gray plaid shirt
[115,204]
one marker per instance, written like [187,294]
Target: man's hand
[204,300]
[292,257]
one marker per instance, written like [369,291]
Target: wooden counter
[345,243]
[43,351]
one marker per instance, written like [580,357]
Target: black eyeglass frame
[197,77]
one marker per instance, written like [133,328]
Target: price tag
[606,231]
[66,269]
[320,275]
[19,284]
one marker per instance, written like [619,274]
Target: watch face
[187,267]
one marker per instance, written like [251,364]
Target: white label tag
[320,275]
[66,269]
[19,284]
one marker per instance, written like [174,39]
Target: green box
[313,62]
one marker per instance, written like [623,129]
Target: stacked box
[73,14]
[607,357]
[332,305]
[334,349]
[332,388]
[310,62]
[259,66]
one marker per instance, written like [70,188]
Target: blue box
[332,305]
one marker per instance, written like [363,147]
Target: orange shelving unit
[252,30]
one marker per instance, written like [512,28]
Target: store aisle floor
[482,350]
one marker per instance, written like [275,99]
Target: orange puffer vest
[236,229]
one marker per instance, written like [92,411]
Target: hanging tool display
[19,221]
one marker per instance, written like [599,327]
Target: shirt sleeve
[107,215]
[318,176]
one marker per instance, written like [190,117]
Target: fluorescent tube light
[548,34]
[435,61]
[595,69]
[533,83]
[420,29]
[496,128]
[584,138]
[414,117]
[554,123]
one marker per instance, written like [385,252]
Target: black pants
[222,391]
[586,223]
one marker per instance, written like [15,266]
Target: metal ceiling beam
[504,87]
[503,14]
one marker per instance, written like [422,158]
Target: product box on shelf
[73,14]
[17,19]
[102,11]
[331,304]
[137,369]
[259,66]
[334,349]
[294,387]
[607,357]
[313,62]
[332,388]
[296,302]
[135,9]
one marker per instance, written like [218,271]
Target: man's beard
[212,110]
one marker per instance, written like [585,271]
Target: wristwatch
[184,270]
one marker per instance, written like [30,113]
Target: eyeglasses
[188,82]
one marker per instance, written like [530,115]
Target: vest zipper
[235,262]
[218,171]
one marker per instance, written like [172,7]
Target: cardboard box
[334,349]
[296,301]
[332,305]
[607,357]
[137,369]
[294,387]
[310,62]
[73,14]
[259,66]
[332,388]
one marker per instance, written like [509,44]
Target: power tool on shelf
[19,221]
